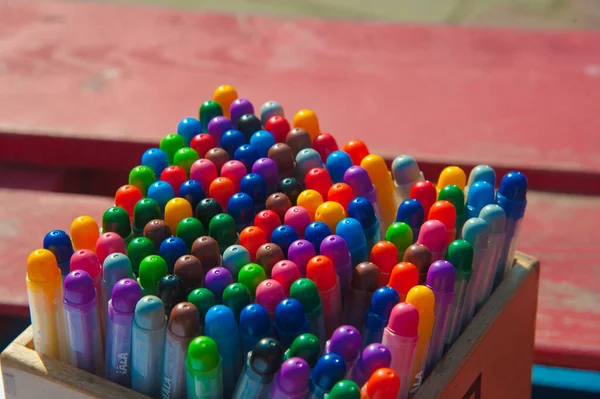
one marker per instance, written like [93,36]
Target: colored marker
[155,159]
[206,249]
[175,176]
[148,346]
[221,189]
[254,185]
[452,175]
[171,249]
[320,269]
[203,300]
[362,210]
[216,280]
[460,254]
[268,294]
[384,383]
[325,144]
[300,252]
[208,110]
[310,200]
[377,315]
[126,197]
[360,182]
[249,124]
[171,291]
[425,192]
[188,230]
[496,218]
[365,278]
[330,369]
[116,267]
[422,298]
[351,231]
[188,128]
[481,173]
[82,323]
[268,255]
[444,212]
[344,389]
[385,255]
[144,211]
[254,326]
[345,341]
[157,231]
[404,276]
[238,108]
[480,194]
[267,221]
[456,197]
[176,210]
[342,194]
[318,179]
[235,296]
[306,160]
[192,192]
[290,321]
[141,177]
[337,163]
[184,158]
[152,269]
[218,156]
[305,346]
[307,120]
[137,250]
[251,238]
[189,271]
[84,233]
[231,140]
[291,381]
[121,308]
[259,370]
[433,236]
[306,292]
[247,155]
[315,233]
[279,203]
[330,213]
[267,169]
[206,210]
[410,212]
[170,144]
[116,220]
[420,256]
[216,128]
[269,110]
[90,263]
[405,172]
[203,142]
[225,95]
[284,157]
[298,218]
[204,369]
[59,243]
[204,172]
[374,357]
[251,276]
[335,248]
[109,243]
[279,127]
[384,186]
[285,272]
[222,228]
[298,139]
[357,150]
[234,258]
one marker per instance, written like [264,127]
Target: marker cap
[78,288]
[482,173]
[116,220]
[433,235]
[189,229]
[411,212]
[206,249]
[306,160]
[307,120]
[59,243]
[251,238]
[365,277]
[310,200]
[460,254]
[171,249]
[208,110]
[404,276]
[382,302]
[144,211]
[284,157]
[285,272]
[42,266]
[176,210]
[425,192]
[126,197]
[513,186]
[269,293]
[298,218]
[290,316]
[216,127]
[476,232]
[236,296]
[452,175]
[385,255]
[337,163]
[305,291]
[266,356]
[345,341]
[383,384]
[420,256]
[344,389]
[171,291]
[329,369]
[238,108]
[325,144]
[335,248]
[254,320]
[188,128]
[268,255]
[175,176]
[495,216]
[480,194]
[234,171]
[374,357]
[184,321]
[375,165]
[203,354]
[170,143]
[267,221]
[279,127]
[202,143]
[293,376]
[116,267]
[225,95]
[149,313]
[270,109]
[141,177]
[423,298]
[455,196]
[247,155]
[203,300]
[189,270]
[283,236]
[254,185]
[358,178]
[152,269]
[125,295]
[206,210]
[315,233]
[320,269]
[156,159]
[217,156]
[84,233]
[305,346]
[251,276]
[357,150]
[267,169]
[234,258]
[216,280]
[249,124]
[362,210]
[161,192]
[157,231]
[221,189]
[85,260]
[330,213]
[441,276]
[184,158]
[405,170]
[351,231]
[298,139]
[444,212]
[192,192]
[279,203]
[300,252]
[204,172]
[223,229]
[404,320]
[342,194]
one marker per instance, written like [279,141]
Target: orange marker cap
[357,151]
[445,212]
[84,233]
[126,197]
[221,189]
[385,255]
[384,383]
[404,276]
[251,238]
[341,193]
[310,200]
[320,269]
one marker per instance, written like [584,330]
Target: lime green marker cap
[208,110]
[236,296]
[203,355]
[307,347]
[305,291]
[460,254]
[142,177]
[251,276]
[401,235]
[170,144]
[189,229]
[144,211]
[344,389]
[138,249]
[116,220]
[184,158]
[203,299]
[222,228]
[152,269]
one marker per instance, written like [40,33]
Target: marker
[126,197]
[298,139]
[307,347]
[176,210]
[251,238]
[254,185]
[268,294]
[116,220]
[285,272]
[284,157]
[251,275]
[310,200]
[267,169]
[279,127]
[351,231]
[225,95]
[188,128]
[460,254]
[184,158]
[204,172]
[325,144]
[267,221]
[456,197]
[152,269]
[141,177]
[410,212]
[236,296]
[335,248]
[144,211]
[425,192]
[330,213]
[82,323]
[203,300]
[192,192]
[374,357]
[344,389]
[161,192]
[157,231]
[315,233]
[84,233]
[337,163]
[481,173]
[385,255]
[121,308]
[496,218]
[404,276]
[377,315]
[300,252]
[330,369]
[234,258]
[307,120]
[306,160]
[384,383]
[137,250]
[206,210]
[254,326]
[362,210]
[306,292]
[268,255]
[171,249]
[269,110]
[223,229]
[358,178]
[433,236]
[422,298]
[290,321]
[115,267]
[238,108]
[365,277]
[204,369]
[59,243]
[480,194]
[247,155]
[90,263]
[384,186]
[291,381]
[420,256]
[221,189]
[345,341]
[298,218]
[320,269]
[206,249]
[357,151]
[203,142]
[155,159]
[444,212]
[401,336]
[405,172]
[188,230]
[279,203]
[452,175]
[342,194]
[175,176]
[182,328]
[512,197]
[148,345]
[171,291]
[217,156]
[216,280]
[189,271]
[249,124]
[208,110]
[217,127]
[259,370]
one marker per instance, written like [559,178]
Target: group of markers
[248,258]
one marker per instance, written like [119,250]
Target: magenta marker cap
[268,294]
[440,276]
[433,235]
[335,248]
[404,320]
[300,252]
[216,280]
[346,342]
[125,295]
[291,381]
[79,288]
[298,218]
[358,178]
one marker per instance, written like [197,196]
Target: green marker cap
[116,220]
[142,177]
[203,299]
[206,210]
[307,347]
[455,196]
[138,249]
[184,158]
[251,276]
[305,291]
[401,235]
[344,389]
[144,211]
[170,144]
[203,355]
[236,296]
[188,230]
[152,269]
[208,110]
[460,254]
[222,228]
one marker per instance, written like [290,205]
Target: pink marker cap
[109,243]
[86,260]
[234,171]
[268,294]
[298,218]
[203,171]
[433,235]
[404,320]
[285,272]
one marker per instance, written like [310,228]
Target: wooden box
[491,359]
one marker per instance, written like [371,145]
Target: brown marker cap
[185,320]
[157,231]
[298,139]
[420,256]
[284,157]
[267,255]
[218,156]
[365,277]
[206,249]
[279,203]
[189,270]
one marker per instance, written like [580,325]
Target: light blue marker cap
[161,192]
[495,216]
[476,232]
[269,110]
[482,173]
[149,313]
[188,128]
[352,232]
[405,170]
[156,159]
[234,258]
[306,160]
[480,194]
[116,266]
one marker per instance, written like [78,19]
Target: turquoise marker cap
[234,258]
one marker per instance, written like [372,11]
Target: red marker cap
[221,189]
[385,255]
[204,172]
[384,383]
[268,221]
[320,269]
[127,196]
[285,272]
[341,193]
[251,238]
[279,127]
[234,171]
[404,276]
[357,151]
[318,179]
[202,143]
[404,320]
[425,192]
[325,144]
[175,176]
[445,212]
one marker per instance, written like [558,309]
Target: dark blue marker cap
[352,232]
[161,192]
[231,140]
[330,369]
[480,194]
[411,212]
[206,210]
[337,163]
[171,291]
[171,249]
[59,243]
[254,185]
[290,321]
[382,302]
[249,124]
[512,194]
[284,236]
[362,210]
[188,128]
[247,155]
[315,233]
[241,208]
[254,321]
[156,159]
[193,192]
[261,141]
[292,188]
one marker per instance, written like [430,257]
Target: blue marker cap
[495,216]
[284,236]
[193,192]
[156,159]
[512,194]
[241,207]
[330,368]
[261,141]
[247,155]
[411,212]
[234,258]
[171,249]
[382,302]
[351,231]
[405,170]
[161,192]
[362,210]
[306,160]
[231,140]
[476,232]
[254,321]
[480,194]
[482,173]
[188,128]
[254,185]
[290,321]
[59,243]
[269,110]
[149,313]
[315,233]
[116,266]
[337,164]
[220,322]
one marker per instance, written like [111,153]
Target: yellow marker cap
[330,213]
[452,175]
[422,298]
[384,186]
[310,200]
[84,233]
[42,266]
[225,95]
[307,120]
[176,210]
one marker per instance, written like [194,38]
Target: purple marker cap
[267,169]
[335,248]
[346,342]
[216,280]
[79,288]
[297,218]
[292,378]
[374,357]
[300,252]
[433,235]
[360,182]
[440,276]
[125,295]
[217,126]
[239,107]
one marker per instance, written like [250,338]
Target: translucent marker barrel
[365,279]
[259,370]
[306,292]
[496,218]
[460,254]
[320,269]
[291,381]
[203,367]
